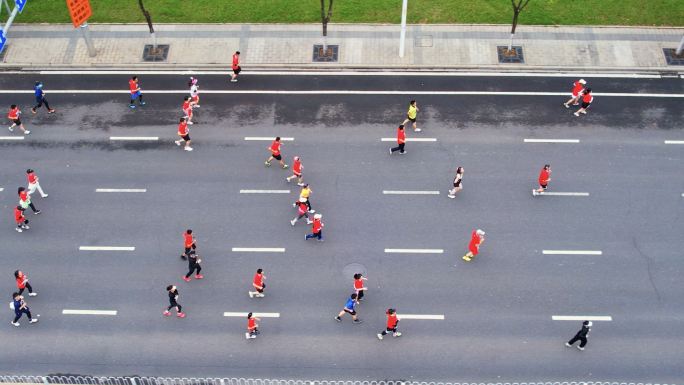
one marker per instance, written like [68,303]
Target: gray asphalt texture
[497,308]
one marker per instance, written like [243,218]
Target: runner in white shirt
[193,92]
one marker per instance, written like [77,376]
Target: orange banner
[79,10]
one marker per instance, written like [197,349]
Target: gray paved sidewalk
[361,45]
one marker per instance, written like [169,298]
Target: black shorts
[261,291]
[543,186]
[412,120]
[352,312]
[186,137]
[17,122]
[457,184]
[237,71]
[187,249]
[585,105]
[278,157]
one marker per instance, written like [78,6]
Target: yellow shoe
[466,258]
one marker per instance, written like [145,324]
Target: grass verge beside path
[539,12]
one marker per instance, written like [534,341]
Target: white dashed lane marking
[571,252]
[420,316]
[90,312]
[267,138]
[581,318]
[566,194]
[411,192]
[260,249]
[674,142]
[410,139]
[415,251]
[133,138]
[264,191]
[106,248]
[239,314]
[551,140]
[11,138]
[122,190]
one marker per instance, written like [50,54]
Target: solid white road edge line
[126,190]
[11,138]
[267,138]
[90,312]
[105,248]
[264,191]
[571,252]
[409,139]
[239,314]
[420,316]
[411,192]
[415,251]
[570,194]
[133,138]
[551,141]
[581,318]
[260,249]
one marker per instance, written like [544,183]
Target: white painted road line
[551,141]
[267,138]
[571,252]
[105,248]
[419,316]
[409,139]
[2,189]
[260,249]
[133,138]
[90,312]
[264,191]
[11,138]
[581,318]
[566,194]
[124,190]
[411,192]
[238,314]
[415,251]
[674,142]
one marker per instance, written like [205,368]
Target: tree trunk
[325,39]
[515,24]
[325,25]
[678,52]
[149,23]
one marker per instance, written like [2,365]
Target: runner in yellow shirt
[413,108]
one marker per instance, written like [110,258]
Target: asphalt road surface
[497,309]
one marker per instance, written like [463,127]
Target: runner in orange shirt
[14,115]
[184,133]
[576,93]
[392,323]
[586,102]
[258,284]
[187,109]
[275,153]
[252,326]
[474,246]
[296,171]
[236,66]
[543,180]
[189,243]
[135,91]
[401,140]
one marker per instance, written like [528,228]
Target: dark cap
[237,52]
[29,171]
[547,165]
[38,84]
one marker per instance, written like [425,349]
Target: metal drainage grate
[160,55]
[669,74]
[332,56]
[517,56]
[423,41]
[3,53]
[672,59]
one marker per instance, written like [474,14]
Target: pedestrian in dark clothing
[194,263]
[40,98]
[22,283]
[581,336]
[20,308]
[173,299]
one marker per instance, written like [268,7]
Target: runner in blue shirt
[40,98]
[349,308]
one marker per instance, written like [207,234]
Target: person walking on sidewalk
[349,308]
[392,323]
[22,222]
[576,93]
[252,326]
[23,283]
[173,299]
[184,133]
[474,247]
[581,336]
[275,153]
[187,109]
[135,92]
[40,98]
[25,201]
[20,308]
[34,184]
[586,102]
[401,139]
[258,284]
[194,94]
[16,122]
[296,171]
[189,243]
[236,66]
[412,112]
[543,180]
[317,229]
[457,182]
[194,264]
[358,286]
[303,212]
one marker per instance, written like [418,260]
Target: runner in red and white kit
[474,247]
[236,66]
[252,326]
[543,180]
[187,109]
[135,92]
[258,284]
[184,133]
[576,93]
[392,323]
[275,153]
[586,102]
[14,115]
[296,171]
[358,286]
[194,94]
[34,184]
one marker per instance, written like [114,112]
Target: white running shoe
[247,335]
[27,132]
[14,323]
[33,321]
[11,129]
[260,295]
[251,295]
[188,149]
[25,227]
[576,114]
[44,196]
[417,130]
[33,294]
[18,230]
[583,112]
[397,334]
[177,143]
[233,80]
[379,336]
[293,221]
[191,123]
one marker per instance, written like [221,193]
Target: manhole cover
[331,55]
[515,56]
[351,269]
[671,57]
[150,55]
[423,41]
[3,53]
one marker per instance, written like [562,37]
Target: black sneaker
[338,319]
[183,257]
[358,321]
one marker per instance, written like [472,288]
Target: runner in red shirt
[184,133]
[21,220]
[25,201]
[586,102]
[34,184]
[258,284]
[189,243]
[576,93]
[135,91]
[303,212]
[187,109]
[358,286]
[401,139]
[474,246]
[296,171]
[543,180]
[317,229]
[236,66]
[14,115]
[23,283]
[252,326]
[275,153]
[392,323]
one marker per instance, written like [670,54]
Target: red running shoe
[186,278]
[181,315]
[199,276]
[167,312]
